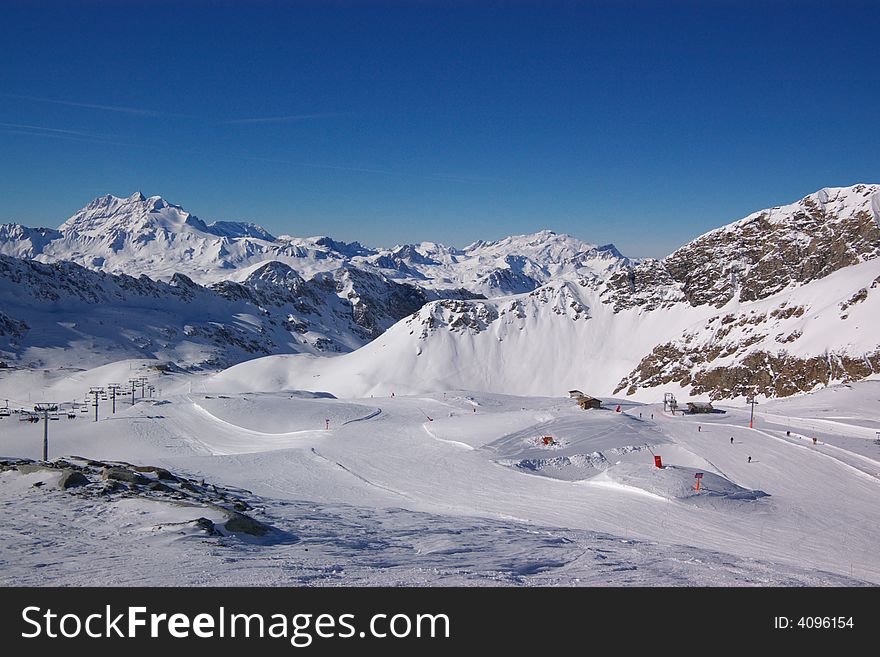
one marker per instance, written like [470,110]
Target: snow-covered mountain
[775,303]
[139,235]
[512,265]
[62,314]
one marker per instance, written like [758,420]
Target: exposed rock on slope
[111,481]
[761,254]
[773,350]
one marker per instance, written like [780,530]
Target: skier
[640,416]
[731,440]
[750,459]
[652,416]
[699,428]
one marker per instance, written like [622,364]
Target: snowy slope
[561,337]
[388,496]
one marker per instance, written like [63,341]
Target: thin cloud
[80,136]
[40,128]
[141,111]
[61,133]
[137,111]
[52,135]
[282,119]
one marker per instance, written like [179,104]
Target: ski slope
[464,474]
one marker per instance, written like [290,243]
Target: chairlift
[71,415]
[4,412]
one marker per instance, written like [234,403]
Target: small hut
[700,407]
[586,402]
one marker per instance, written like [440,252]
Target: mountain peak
[138,215]
[131,214]
[544,245]
[610,249]
[274,273]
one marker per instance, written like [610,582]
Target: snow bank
[673,482]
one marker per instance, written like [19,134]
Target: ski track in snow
[871,472]
[448,442]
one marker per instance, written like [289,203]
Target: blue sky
[638,123]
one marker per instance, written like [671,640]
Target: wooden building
[586,402]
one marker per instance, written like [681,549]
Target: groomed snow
[426,489]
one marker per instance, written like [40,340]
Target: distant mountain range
[776,303]
[138,235]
